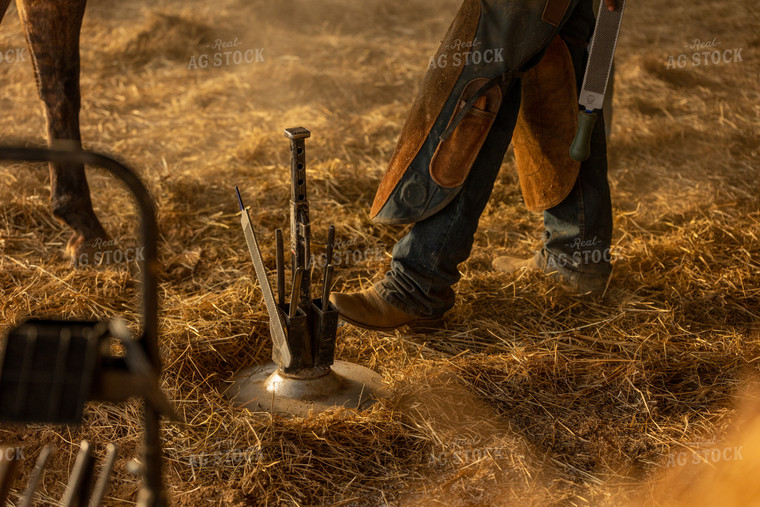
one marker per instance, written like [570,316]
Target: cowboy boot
[368,310]
[571,282]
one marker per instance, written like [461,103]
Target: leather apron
[489,45]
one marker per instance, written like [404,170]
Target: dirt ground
[528,396]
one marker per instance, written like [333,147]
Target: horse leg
[52,31]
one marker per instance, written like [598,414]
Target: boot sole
[414,325]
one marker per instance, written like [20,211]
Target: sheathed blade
[276,327]
[601,56]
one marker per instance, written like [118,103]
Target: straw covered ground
[528,396]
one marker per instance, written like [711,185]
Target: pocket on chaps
[454,157]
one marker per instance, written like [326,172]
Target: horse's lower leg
[52,29]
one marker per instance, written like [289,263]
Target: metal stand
[50,369]
[303,376]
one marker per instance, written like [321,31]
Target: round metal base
[264,388]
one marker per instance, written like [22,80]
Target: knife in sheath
[276,327]
[601,56]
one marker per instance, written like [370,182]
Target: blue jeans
[577,233]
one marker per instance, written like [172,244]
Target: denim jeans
[577,232]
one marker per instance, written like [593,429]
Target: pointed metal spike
[78,488]
[34,481]
[101,486]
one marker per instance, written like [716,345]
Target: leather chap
[488,45]
[545,129]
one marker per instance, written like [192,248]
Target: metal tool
[49,369]
[313,380]
[327,281]
[99,492]
[276,327]
[598,68]
[80,482]
[79,489]
[280,267]
[327,284]
[34,480]
[300,227]
[295,294]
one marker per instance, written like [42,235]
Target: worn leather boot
[572,283]
[367,310]
[509,264]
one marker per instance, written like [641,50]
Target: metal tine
[295,296]
[280,267]
[326,288]
[34,481]
[105,474]
[330,245]
[77,490]
[327,281]
[8,469]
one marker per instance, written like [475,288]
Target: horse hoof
[89,251]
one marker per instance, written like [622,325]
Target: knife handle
[581,147]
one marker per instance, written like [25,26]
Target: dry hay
[528,396]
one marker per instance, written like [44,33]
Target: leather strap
[554,11]
[506,79]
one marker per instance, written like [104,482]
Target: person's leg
[424,265]
[578,231]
